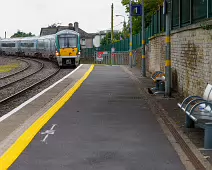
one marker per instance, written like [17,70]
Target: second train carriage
[64,47]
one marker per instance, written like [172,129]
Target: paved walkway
[106,125]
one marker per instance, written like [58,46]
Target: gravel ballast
[49,68]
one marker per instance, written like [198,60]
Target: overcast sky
[31,15]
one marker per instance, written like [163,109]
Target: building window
[82,41]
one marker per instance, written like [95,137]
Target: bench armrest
[192,101]
[191,116]
[187,99]
[196,105]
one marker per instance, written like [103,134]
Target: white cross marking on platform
[48,132]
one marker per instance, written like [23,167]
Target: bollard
[161,86]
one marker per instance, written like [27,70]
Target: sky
[32,15]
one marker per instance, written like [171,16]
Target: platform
[105,125]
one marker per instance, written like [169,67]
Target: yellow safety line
[24,140]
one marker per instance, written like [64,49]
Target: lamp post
[121,16]
[124,29]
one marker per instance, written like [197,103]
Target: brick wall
[191,52]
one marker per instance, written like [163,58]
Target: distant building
[86,38]
[100,35]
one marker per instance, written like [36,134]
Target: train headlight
[79,53]
[57,53]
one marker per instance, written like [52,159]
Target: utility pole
[168,49]
[143,42]
[112,23]
[112,48]
[5,34]
[130,48]
[99,38]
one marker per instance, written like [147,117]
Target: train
[63,47]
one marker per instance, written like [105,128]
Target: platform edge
[10,156]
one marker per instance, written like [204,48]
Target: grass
[8,68]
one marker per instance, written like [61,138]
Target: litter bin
[157,84]
[161,86]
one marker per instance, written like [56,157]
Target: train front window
[68,41]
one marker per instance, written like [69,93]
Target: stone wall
[191,52]
[156,51]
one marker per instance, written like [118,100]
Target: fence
[123,45]
[87,52]
[184,12]
[117,58]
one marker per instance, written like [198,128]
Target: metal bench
[159,78]
[199,112]
[192,99]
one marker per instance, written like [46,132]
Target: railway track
[41,70]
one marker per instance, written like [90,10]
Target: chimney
[70,25]
[76,26]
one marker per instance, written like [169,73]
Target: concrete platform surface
[105,125]
[12,127]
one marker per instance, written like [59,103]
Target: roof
[48,31]
[54,30]
[19,39]
[67,31]
[84,34]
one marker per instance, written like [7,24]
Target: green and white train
[63,47]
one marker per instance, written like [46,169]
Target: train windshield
[67,41]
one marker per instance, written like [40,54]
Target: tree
[22,34]
[125,31]
[150,7]
[107,39]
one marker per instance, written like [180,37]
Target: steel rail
[29,87]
